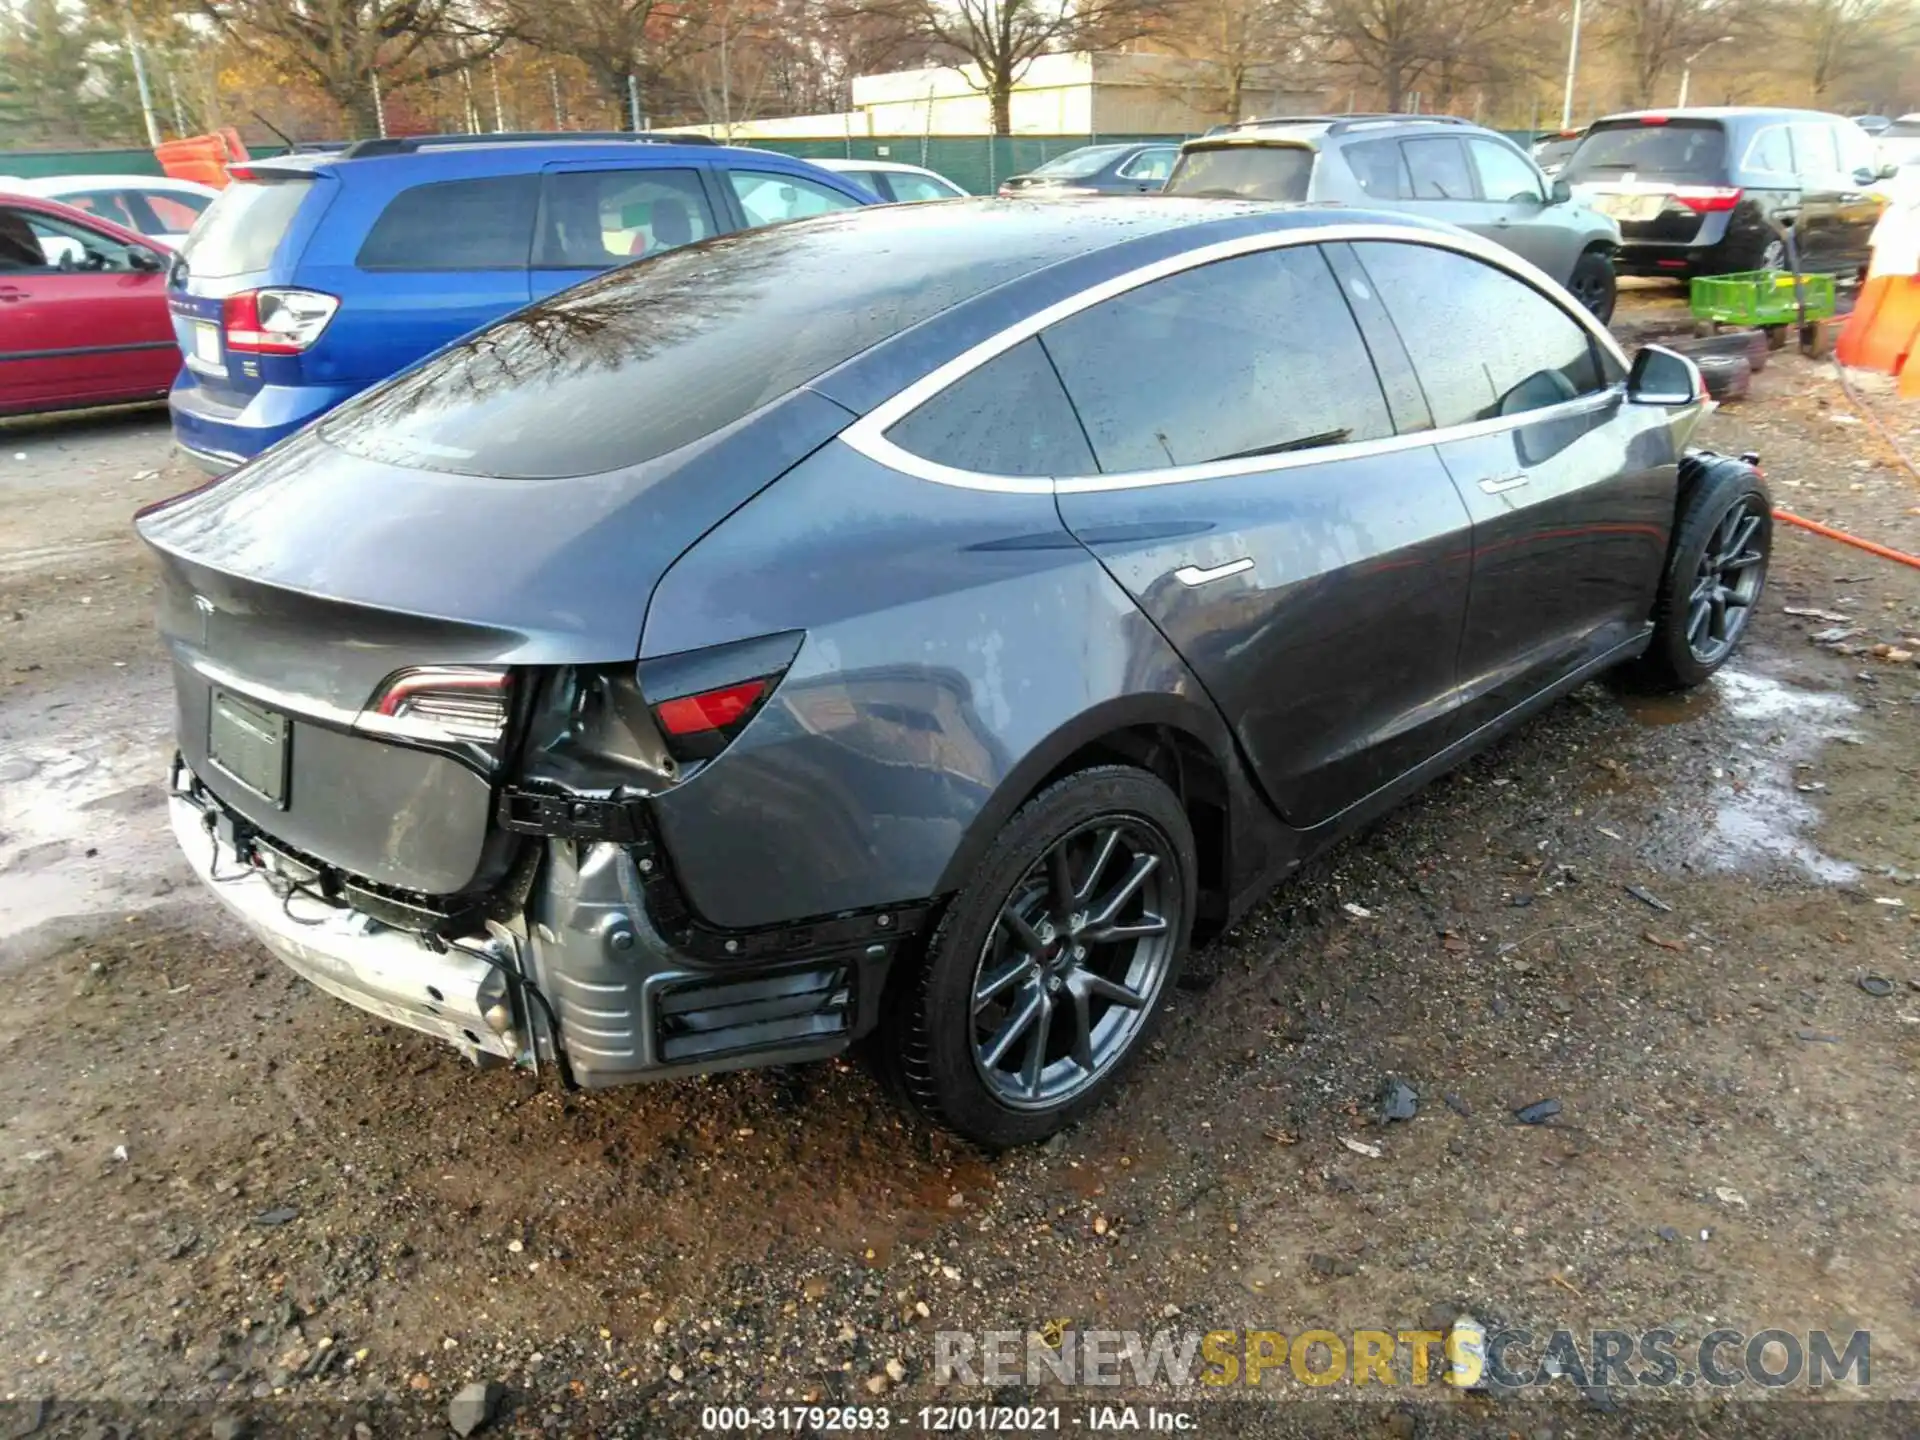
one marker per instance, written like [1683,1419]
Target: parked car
[895,182]
[1873,124]
[1138,169]
[316,274]
[83,310]
[996,634]
[1701,192]
[1431,165]
[151,205]
[1550,151]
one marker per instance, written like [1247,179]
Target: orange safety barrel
[201,157]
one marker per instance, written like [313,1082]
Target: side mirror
[1664,377]
[141,259]
[1561,192]
[1866,175]
[1886,172]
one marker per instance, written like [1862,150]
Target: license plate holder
[206,344]
[250,744]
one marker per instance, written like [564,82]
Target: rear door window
[1252,172]
[482,224]
[1154,164]
[1688,152]
[1258,355]
[1483,343]
[1438,169]
[1009,417]
[768,197]
[1380,168]
[245,225]
[596,218]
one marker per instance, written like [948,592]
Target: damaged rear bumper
[581,978]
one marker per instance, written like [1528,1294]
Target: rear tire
[1716,573]
[1594,284]
[1048,973]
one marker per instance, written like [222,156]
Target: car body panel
[72,337]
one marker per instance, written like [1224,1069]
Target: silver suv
[1432,165]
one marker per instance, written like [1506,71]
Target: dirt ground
[1692,922]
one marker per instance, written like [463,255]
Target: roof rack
[407,144]
[1337,124]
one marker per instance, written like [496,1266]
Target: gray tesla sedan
[918,623]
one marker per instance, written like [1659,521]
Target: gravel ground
[1689,921]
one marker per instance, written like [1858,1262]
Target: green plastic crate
[1760,297]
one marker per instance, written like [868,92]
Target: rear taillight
[441,705]
[276,321]
[702,699]
[1704,199]
[724,709]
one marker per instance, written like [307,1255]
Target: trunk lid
[301,582]
[241,243]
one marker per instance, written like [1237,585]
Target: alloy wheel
[1732,569]
[1591,289]
[1075,962]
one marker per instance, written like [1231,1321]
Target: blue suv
[318,273]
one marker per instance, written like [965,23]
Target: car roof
[1723,112]
[478,155]
[897,167]
[1310,129]
[60,184]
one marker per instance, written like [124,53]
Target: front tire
[1716,572]
[1049,971]
[1594,284]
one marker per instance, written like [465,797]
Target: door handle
[1499,485]
[1194,575]
[9,295]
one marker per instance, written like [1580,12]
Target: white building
[1082,93]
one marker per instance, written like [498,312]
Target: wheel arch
[1179,740]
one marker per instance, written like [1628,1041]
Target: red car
[83,310]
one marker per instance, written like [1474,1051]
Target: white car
[891,180]
[1899,142]
[152,205]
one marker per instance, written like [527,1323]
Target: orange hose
[1817,528]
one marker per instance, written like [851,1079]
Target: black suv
[1695,191]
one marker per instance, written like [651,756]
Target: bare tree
[1836,37]
[1655,38]
[1396,47]
[339,45]
[1003,37]
[1238,41]
[614,39]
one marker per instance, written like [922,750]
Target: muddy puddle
[1760,736]
[82,814]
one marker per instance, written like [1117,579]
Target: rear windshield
[650,357]
[1084,161]
[242,229]
[1251,172]
[1693,150]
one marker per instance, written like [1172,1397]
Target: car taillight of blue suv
[319,273]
